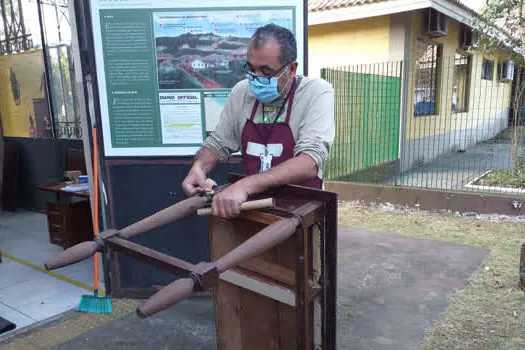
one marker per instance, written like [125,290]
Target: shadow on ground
[391,287]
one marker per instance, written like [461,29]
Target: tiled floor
[26,294]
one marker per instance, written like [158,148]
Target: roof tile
[322,5]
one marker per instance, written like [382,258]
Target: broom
[94,303]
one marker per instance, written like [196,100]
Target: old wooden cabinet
[284,298]
[69,223]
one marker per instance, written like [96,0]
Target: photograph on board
[207,49]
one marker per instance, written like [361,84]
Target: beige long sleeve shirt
[311,120]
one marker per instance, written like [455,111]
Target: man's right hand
[195,182]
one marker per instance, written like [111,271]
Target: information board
[165,69]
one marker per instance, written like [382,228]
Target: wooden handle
[168,215]
[251,205]
[84,250]
[72,255]
[166,297]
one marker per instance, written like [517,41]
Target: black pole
[305,33]
[47,70]
[22,25]
[6,29]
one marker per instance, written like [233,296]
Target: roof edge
[451,8]
[321,8]
[362,11]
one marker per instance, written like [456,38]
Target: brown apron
[276,137]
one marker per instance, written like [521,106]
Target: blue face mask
[264,89]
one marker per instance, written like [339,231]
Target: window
[487,70]
[505,71]
[461,82]
[428,57]
[61,72]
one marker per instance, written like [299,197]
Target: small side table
[69,222]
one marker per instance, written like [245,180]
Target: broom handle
[95,205]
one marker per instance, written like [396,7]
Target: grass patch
[489,313]
[514,178]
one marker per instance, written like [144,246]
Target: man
[282,123]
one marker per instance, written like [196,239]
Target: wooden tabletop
[58,187]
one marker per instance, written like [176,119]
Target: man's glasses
[263,79]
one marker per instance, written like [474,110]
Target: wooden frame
[300,311]
[328,241]
[468,79]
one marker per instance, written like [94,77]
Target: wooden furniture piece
[69,216]
[58,189]
[272,271]
[284,298]
[75,160]
[69,223]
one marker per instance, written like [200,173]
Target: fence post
[404,72]
[327,171]
[365,118]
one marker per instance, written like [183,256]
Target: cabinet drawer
[69,223]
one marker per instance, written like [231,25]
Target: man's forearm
[293,170]
[206,160]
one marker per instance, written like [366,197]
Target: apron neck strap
[290,101]
[254,110]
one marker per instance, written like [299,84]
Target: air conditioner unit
[507,70]
[468,38]
[436,23]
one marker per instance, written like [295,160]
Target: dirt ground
[489,313]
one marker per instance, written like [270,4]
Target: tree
[508,18]
[10,20]
[501,27]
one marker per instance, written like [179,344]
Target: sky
[474,4]
[33,25]
[235,23]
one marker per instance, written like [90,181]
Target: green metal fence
[452,123]
[367,109]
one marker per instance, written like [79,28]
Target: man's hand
[227,203]
[195,182]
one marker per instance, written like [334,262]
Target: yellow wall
[348,43]
[486,99]
[28,68]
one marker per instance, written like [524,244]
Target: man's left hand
[227,203]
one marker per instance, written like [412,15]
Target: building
[215,61]
[446,89]
[198,64]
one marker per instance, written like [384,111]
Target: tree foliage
[501,26]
